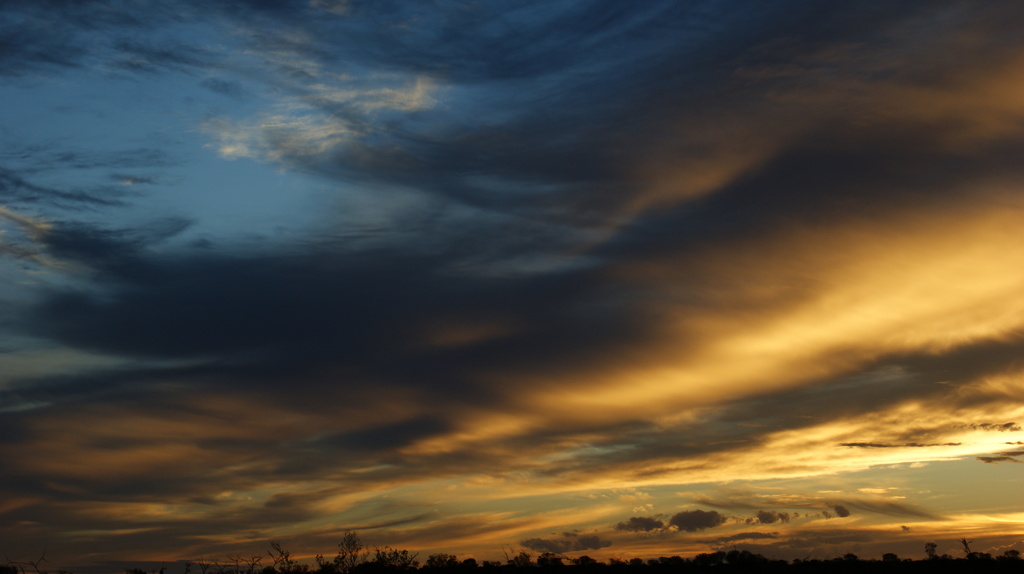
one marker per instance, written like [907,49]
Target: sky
[589,277]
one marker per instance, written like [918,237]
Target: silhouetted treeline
[351,557]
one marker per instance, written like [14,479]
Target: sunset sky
[591,277]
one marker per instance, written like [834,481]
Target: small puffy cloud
[640,524]
[694,520]
[770,517]
[841,511]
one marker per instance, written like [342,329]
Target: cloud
[771,517]
[139,56]
[32,227]
[1003,427]
[228,88]
[569,542]
[16,189]
[32,41]
[327,121]
[997,459]
[695,520]
[841,507]
[882,506]
[387,436]
[63,181]
[905,445]
[92,32]
[640,524]
[743,536]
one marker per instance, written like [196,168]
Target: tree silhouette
[522,560]
[351,554]
[386,558]
[967,546]
[550,560]
[438,561]
[353,558]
